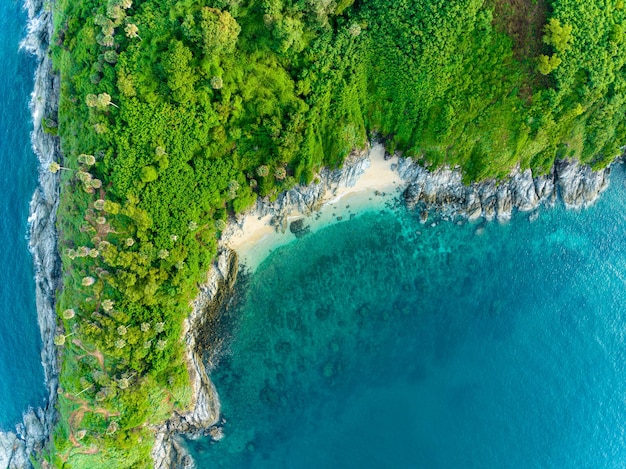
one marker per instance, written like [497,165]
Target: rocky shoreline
[33,433]
[168,451]
[442,192]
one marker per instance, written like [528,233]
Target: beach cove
[379,341]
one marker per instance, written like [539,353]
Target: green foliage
[201,106]
[557,35]
[547,64]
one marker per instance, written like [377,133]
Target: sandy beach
[372,191]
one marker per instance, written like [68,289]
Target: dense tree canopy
[174,114]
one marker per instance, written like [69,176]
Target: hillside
[175,114]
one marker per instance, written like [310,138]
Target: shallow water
[379,342]
[21,373]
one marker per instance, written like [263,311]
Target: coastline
[33,433]
[367,181]
[169,451]
[374,180]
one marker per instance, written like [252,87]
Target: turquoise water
[21,373]
[382,343]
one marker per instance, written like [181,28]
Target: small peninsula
[175,117]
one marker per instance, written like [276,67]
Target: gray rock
[169,451]
[13,454]
[32,434]
[443,190]
[504,202]
[578,185]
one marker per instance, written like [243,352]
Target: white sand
[373,189]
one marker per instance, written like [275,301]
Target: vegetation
[174,114]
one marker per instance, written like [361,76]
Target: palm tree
[87,160]
[115,12]
[217,83]
[55,167]
[104,100]
[112,428]
[88,281]
[86,389]
[60,339]
[280,173]
[84,177]
[91,100]
[132,31]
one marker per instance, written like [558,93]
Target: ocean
[21,373]
[380,342]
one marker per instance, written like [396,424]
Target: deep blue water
[382,343]
[21,373]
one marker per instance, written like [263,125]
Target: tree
[132,31]
[219,31]
[181,78]
[115,12]
[557,35]
[355,30]
[547,64]
[110,56]
[149,173]
[87,160]
[107,40]
[104,100]
[55,167]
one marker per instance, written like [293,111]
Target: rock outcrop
[169,452]
[443,190]
[306,200]
[32,434]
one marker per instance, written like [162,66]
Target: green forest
[176,114]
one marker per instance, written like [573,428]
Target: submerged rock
[298,228]
[305,200]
